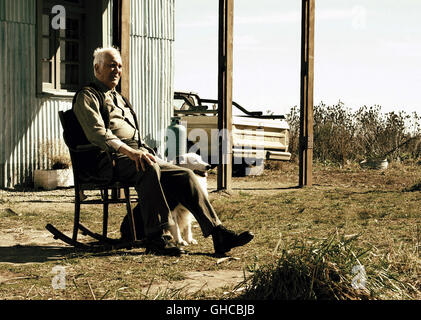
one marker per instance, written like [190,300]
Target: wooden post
[306,94]
[125,47]
[121,39]
[225,63]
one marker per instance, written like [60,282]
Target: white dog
[181,215]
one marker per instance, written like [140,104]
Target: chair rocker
[78,153]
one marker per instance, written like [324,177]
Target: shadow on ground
[21,254]
[33,254]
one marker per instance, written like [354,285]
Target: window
[65,54]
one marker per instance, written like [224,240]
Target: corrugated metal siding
[30,126]
[17,99]
[151,66]
[21,11]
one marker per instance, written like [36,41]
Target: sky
[367,52]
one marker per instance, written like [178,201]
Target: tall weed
[341,134]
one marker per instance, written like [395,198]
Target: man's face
[109,73]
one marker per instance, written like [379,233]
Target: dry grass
[326,270]
[341,134]
[349,217]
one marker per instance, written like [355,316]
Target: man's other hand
[142,158]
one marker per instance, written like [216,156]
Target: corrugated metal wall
[24,122]
[30,126]
[151,66]
[30,132]
[20,11]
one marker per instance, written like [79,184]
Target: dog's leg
[188,235]
[175,229]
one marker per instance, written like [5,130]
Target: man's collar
[103,87]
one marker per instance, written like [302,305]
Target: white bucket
[377,164]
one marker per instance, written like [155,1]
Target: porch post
[306,94]
[125,46]
[225,63]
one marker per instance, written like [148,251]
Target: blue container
[176,139]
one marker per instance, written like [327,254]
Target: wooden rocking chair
[78,154]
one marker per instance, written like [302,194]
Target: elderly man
[109,122]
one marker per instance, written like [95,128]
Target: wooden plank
[125,47]
[306,93]
[257,133]
[225,63]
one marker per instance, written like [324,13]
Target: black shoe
[161,245]
[224,240]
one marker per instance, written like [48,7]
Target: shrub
[321,271]
[61,161]
[54,155]
[334,131]
[341,135]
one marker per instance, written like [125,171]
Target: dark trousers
[160,188]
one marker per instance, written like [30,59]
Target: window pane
[72,29]
[46,72]
[69,51]
[45,25]
[46,48]
[69,74]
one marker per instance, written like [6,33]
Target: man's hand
[142,158]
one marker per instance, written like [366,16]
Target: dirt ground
[24,235]
[32,244]
[25,245]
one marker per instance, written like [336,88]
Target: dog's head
[194,162]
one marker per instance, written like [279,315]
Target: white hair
[99,54]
